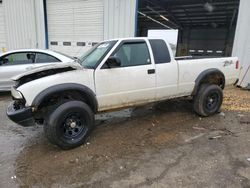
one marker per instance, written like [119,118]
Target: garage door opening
[205,28]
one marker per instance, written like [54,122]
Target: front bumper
[22,116]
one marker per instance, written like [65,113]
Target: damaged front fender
[44,71]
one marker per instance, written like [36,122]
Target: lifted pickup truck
[115,74]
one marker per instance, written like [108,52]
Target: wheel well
[60,97]
[52,101]
[209,77]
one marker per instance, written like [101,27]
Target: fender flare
[205,74]
[84,90]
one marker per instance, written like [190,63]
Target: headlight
[17,82]
[16,94]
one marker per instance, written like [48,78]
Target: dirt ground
[160,145]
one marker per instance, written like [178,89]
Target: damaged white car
[19,61]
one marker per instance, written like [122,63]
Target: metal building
[76,24]
[2,29]
[69,26]
[242,43]
[206,28]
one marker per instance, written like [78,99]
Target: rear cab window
[160,51]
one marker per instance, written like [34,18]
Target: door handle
[151,71]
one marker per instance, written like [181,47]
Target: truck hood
[30,89]
[56,67]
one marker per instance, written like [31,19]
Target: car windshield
[95,55]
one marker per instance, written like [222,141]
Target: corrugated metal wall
[119,18]
[2,29]
[242,42]
[40,24]
[24,24]
[20,23]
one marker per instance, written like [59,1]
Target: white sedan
[16,62]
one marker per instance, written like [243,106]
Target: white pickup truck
[115,74]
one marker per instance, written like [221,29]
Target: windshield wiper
[77,60]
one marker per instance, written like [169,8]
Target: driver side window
[133,54]
[18,59]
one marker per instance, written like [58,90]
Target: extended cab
[114,74]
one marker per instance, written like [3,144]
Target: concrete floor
[161,145]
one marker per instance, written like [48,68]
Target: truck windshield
[95,55]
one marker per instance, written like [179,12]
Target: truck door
[166,70]
[133,82]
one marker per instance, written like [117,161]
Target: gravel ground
[160,145]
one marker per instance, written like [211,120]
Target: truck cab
[141,66]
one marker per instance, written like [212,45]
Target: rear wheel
[69,124]
[208,100]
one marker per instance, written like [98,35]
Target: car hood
[54,66]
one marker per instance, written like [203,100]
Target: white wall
[119,18]
[40,24]
[2,29]
[24,24]
[242,42]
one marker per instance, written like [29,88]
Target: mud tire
[58,131]
[208,100]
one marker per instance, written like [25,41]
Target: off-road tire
[56,124]
[208,100]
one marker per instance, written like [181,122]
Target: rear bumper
[22,116]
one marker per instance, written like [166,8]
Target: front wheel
[208,100]
[69,124]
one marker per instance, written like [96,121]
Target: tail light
[237,64]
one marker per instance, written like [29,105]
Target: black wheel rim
[212,101]
[74,126]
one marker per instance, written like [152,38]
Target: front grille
[19,104]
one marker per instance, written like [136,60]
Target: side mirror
[113,62]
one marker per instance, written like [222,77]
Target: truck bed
[188,71]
